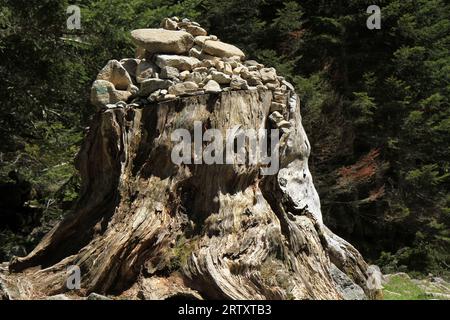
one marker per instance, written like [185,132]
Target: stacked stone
[181,59]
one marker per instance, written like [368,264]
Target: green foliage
[363,108]
[289,17]
[402,288]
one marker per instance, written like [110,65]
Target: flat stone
[200,69]
[200,40]
[196,30]
[220,77]
[163,41]
[180,62]
[169,97]
[183,88]
[151,85]
[222,49]
[197,52]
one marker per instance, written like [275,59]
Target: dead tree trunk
[147,228]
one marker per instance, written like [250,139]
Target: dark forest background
[375,105]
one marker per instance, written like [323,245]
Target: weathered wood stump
[147,228]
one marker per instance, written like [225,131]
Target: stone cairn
[180,59]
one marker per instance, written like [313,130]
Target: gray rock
[237,83]
[151,85]
[169,24]
[103,93]
[198,53]
[200,69]
[183,75]
[115,73]
[200,40]
[348,289]
[182,63]
[163,41]
[268,75]
[220,77]
[169,73]
[183,88]
[222,49]
[212,87]
[196,30]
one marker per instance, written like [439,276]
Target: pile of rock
[181,59]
